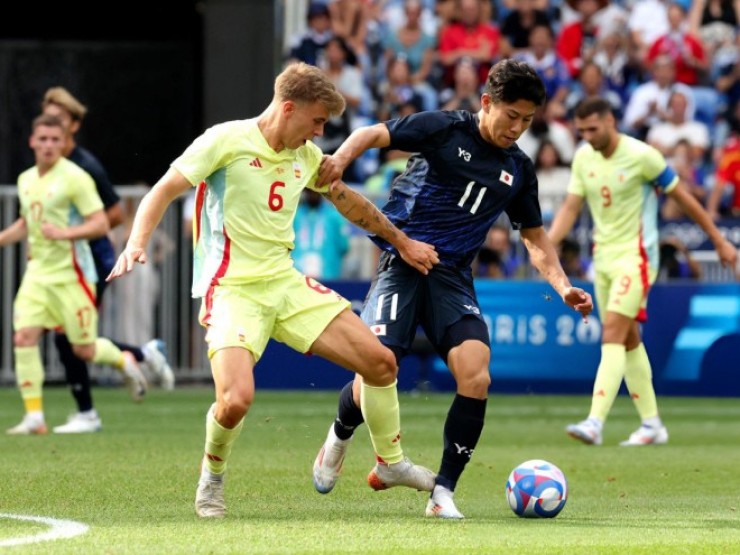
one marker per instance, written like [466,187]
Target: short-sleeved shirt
[622,195]
[245,203]
[64,196]
[456,185]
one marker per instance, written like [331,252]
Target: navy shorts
[443,303]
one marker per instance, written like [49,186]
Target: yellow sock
[219,441]
[380,409]
[29,375]
[107,353]
[608,379]
[639,378]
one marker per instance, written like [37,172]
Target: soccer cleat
[155,354]
[32,424]
[647,435]
[81,423]
[441,505]
[134,379]
[328,463]
[209,497]
[586,431]
[403,473]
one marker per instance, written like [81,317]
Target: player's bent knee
[380,367]
[23,338]
[233,406]
[84,352]
[475,385]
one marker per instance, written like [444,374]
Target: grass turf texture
[134,482]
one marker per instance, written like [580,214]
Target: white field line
[59,529]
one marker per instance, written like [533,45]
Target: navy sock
[349,415]
[462,431]
[76,373]
[136,351]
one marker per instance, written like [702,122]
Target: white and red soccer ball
[537,489]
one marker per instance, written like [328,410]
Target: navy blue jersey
[85,159]
[102,248]
[456,185]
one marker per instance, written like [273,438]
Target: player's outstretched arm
[15,232]
[147,218]
[363,213]
[544,257]
[726,250]
[565,218]
[363,138]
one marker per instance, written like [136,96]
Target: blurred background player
[60,211]
[59,102]
[617,176]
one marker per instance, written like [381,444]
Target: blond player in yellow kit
[620,177]
[60,210]
[249,176]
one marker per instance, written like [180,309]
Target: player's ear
[485,102]
[288,107]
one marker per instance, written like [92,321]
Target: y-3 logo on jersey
[464,154]
[473,309]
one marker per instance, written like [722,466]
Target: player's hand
[126,261]
[727,254]
[52,232]
[330,171]
[420,256]
[579,300]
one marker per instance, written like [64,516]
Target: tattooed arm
[363,213]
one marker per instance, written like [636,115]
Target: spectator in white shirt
[648,104]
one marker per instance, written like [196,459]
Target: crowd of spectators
[670,69]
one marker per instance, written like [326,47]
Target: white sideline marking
[60,529]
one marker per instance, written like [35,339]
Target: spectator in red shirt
[682,47]
[469,37]
[576,43]
[728,173]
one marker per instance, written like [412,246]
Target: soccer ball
[537,489]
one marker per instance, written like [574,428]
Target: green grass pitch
[133,484]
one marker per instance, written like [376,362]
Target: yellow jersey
[246,200]
[63,196]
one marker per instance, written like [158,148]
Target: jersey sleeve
[312,158]
[205,155]
[657,171]
[102,182]
[525,212]
[420,132]
[84,194]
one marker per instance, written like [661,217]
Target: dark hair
[593,105]
[511,80]
[349,55]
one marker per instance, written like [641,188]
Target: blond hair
[301,82]
[62,97]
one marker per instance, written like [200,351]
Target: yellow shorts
[290,308]
[70,306]
[622,287]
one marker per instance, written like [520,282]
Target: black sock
[136,351]
[76,372]
[349,415]
[462,431]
